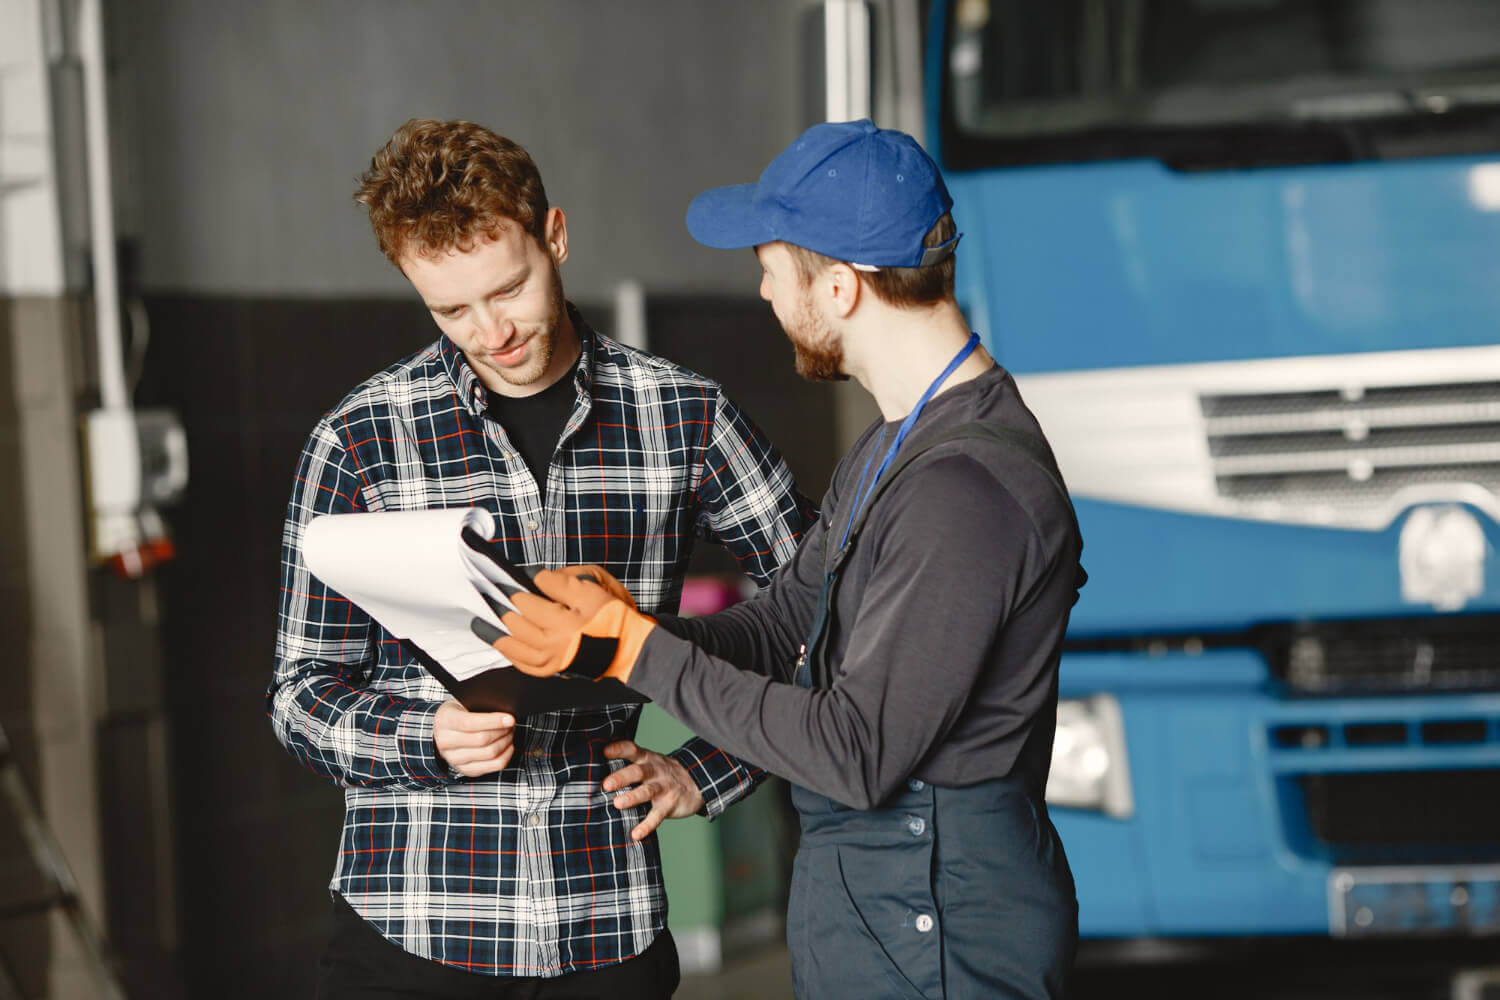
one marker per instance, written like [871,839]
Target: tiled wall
[24,943]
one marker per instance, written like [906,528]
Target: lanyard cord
[906,425]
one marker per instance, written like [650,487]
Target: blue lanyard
[906,425]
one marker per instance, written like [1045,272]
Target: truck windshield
[1207,84]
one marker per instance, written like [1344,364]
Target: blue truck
[1243,257]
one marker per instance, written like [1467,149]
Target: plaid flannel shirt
[530,872]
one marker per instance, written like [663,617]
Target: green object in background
[725,879]
[689,847]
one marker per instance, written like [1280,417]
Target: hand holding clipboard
[426,576]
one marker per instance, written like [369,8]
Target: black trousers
[360,964]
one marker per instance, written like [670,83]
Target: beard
[543,344]
[820,354]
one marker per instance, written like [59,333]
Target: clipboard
[506,689]
[425,576]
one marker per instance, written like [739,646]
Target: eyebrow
[516,279]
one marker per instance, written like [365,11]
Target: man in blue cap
[901,670]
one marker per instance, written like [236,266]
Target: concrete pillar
[39,359]
[62,652]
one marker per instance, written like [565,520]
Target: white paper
[412,572]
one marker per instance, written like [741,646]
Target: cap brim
[726,218]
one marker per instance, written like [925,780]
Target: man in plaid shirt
[484,855]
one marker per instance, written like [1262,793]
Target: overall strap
[1027,445]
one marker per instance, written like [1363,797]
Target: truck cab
[1243,257]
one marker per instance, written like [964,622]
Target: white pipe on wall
[630,314]
[112,391]
[846,33]
[906,39]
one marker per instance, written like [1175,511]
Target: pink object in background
[703,595]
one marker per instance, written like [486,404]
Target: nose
[765,287]
[492,328]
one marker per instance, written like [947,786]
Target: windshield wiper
[1395,103]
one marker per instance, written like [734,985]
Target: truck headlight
[1089,766]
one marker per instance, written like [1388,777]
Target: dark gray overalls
[936,892]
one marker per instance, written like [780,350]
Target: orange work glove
[580,627]
[603,578]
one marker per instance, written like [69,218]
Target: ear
[843,287]
[557,234]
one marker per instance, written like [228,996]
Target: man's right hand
[614,588]
[473,743]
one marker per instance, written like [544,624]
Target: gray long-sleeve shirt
[945,640]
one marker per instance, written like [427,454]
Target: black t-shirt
[535,423]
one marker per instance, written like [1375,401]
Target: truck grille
[1457,653]
[1410,816]
[1305,737]
[1351,451]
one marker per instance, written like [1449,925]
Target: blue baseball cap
[847,190]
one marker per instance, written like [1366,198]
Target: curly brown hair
[439,186]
